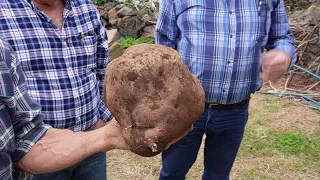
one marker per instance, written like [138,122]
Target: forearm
[60,149]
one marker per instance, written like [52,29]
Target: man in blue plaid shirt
[223,43]
[27,143]
[63,49]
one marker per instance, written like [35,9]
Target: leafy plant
[98,2]
[126,42]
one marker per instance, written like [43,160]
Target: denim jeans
[92,168]
[224,131]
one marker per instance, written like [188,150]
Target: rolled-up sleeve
[27,120]
[103,59]
[280,37]
[166,28]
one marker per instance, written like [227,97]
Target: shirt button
[64,44]
[223,90]
[230,36]
[230,12]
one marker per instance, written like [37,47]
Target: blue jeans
[92,168]
[224,131]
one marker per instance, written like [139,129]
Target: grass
[126,42]
[281,141]
[292,143]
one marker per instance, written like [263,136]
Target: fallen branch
[314,85]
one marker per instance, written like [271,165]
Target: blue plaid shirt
[20,118]
[221,41]
[64,68]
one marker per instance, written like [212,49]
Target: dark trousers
[92,168]
[224,131]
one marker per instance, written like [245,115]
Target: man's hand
[274,65]
[114,136]
[99,124]
[65,148]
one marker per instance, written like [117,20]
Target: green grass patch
[260,142]
[291,143]
[126,42]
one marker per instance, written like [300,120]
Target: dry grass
[270,117]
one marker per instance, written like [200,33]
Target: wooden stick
[301,91]
[288,81]
[274,88]
[314,85]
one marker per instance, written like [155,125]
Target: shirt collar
[68,4]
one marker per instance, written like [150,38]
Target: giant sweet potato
[153,96]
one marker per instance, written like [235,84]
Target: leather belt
[226,106]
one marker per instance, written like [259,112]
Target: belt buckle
[211,106]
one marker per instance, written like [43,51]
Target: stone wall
[299,4]
[128,20]
[305,27]
[123,19]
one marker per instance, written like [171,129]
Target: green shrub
[98,2]
[126,42]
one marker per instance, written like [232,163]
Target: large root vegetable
[153,96]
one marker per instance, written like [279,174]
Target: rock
[149,31]
[99,8]
[112,16]
[302,4]
[305,29]
[115,50]
[104,15]
[130,26]
[126,11]
[109,6]
[113,36]
[310,15]
[119,6]
[133,25]
[155,16]
[299,4]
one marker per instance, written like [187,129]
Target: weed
[126,42]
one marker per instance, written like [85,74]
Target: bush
[126,42]
[98,2]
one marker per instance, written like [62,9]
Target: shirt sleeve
[166,28]
[27,119]
[280,37]
[103,59]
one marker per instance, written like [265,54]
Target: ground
[282,141]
